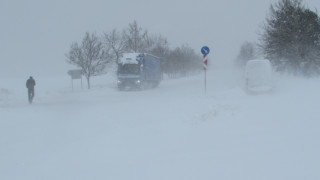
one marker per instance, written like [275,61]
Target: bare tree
[248,51]
[160,46]
[90,56]
[182,61]
[116,42]
[135,38]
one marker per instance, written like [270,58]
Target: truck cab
[138,71]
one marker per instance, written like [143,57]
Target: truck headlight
[138,81]
[119,82]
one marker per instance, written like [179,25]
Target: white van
[258,76]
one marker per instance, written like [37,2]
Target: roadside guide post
[205,51]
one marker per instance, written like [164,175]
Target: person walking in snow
[30,85]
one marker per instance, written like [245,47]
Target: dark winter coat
[30,83]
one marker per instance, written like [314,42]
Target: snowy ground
[173,132]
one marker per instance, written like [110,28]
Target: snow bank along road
[172,132]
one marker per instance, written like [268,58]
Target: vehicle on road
[138,71]
[258,76]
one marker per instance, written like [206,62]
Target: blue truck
[138,71]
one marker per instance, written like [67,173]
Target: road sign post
[75,74]
[205,51]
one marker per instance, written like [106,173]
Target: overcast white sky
[36,34]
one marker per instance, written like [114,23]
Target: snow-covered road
[175,131]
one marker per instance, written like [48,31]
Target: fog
[35,35]
[175,131]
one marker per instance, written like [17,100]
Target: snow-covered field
[173,132]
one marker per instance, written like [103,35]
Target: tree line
[96,52]
[290,39]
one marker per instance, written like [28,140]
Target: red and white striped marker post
[205,51]
[205,66]
[205,62]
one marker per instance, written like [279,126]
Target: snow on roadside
[175,131]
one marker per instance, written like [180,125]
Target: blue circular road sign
[205,50]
